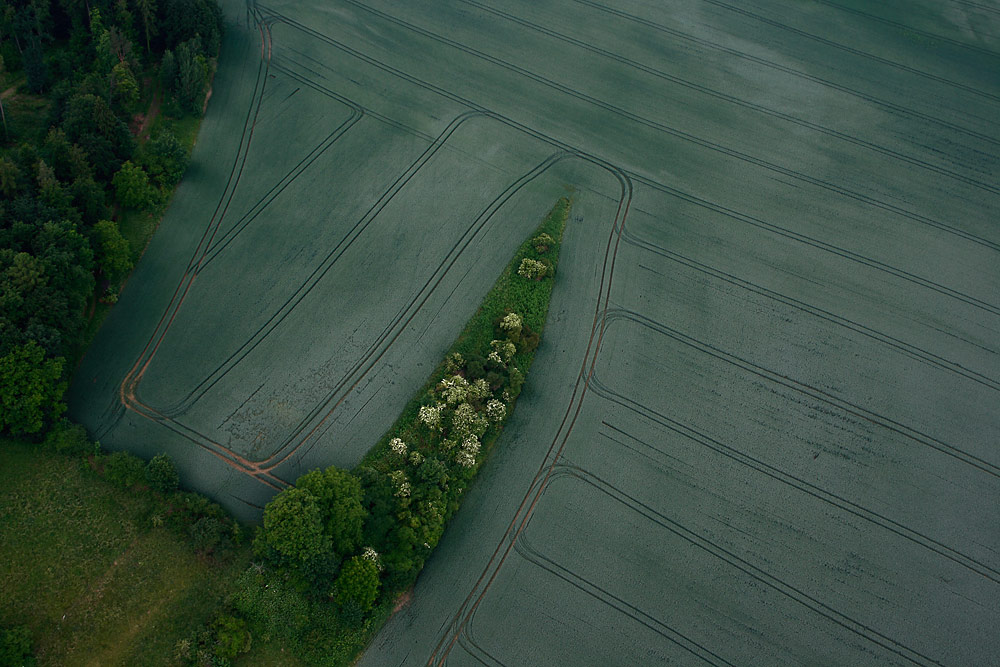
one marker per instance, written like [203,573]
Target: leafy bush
[132,187]
[532,269]
[209,535]
[124,470]
[272,607]
[231,637]
[293,527]
[357,585]
[15,647]
[68,438]
[31,389]
[161,474]
[114,254]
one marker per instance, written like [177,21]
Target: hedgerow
[412,481]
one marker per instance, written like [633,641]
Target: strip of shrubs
[351,542]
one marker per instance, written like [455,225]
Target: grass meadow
[114,589]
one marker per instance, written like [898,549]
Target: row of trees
[353,538]
[342,535]
[61,191]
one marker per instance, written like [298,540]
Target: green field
[762,428]
[114,589]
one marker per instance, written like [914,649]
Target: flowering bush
[532,269]
[542,243]
[479,390]
[416,458]
[372,555]
[454,389]
[430,415]
[400,483]
[453,363]
[464,459]
[398,446]
[504,349]
[511,323]
[470,443]
[496,411]
[466,456]
[463,419]
[466,420]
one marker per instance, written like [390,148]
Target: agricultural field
[763,425]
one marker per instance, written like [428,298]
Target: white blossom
[463,418]
[479,389]
[496,411]
[494,357]
[465,459]
[505,349]
[454,362]
[370,554]
[416,458]
[532,268]
[511,322]
[398,446]
[401,484]
[431,415]
[454,389]
[470,444]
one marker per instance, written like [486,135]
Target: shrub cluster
[335,549]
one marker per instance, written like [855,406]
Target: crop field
[763,427]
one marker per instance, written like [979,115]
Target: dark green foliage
[192,76]
[168,71]
[15,647]
[31,389]
[68,438]
[132,187]
[184,20]
[161,474]
[357,585]
[124,470]
[164,159]
[293,527]
[114,255]
[34,66]
[209,534]
[339,497]
[90,200]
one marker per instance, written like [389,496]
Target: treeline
[336,549]
[65,182]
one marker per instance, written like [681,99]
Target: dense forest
[80,81]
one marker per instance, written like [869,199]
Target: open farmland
[763,425]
